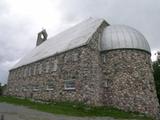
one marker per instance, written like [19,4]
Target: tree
[0,89]
[156,68]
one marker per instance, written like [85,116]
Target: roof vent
[42,36]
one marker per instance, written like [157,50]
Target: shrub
[156,68]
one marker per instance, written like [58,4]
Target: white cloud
[21,20]
[8,64]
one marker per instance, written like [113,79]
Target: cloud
[15,34]
[21,20]
[5,66]
[140,14]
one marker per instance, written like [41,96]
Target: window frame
[35,88]
[50,85]
[49,88]
[69,88]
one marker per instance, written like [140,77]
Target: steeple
[42,36]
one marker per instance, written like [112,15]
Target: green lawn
[74,109]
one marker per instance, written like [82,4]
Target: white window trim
[40,67]
[75,56]
[105,84]
[49,89]
[47,67]
[69,88]
[104,59]
[9,89]
[16,90]
[55,65]
[35,89]
[24,89]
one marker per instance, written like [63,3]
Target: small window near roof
[47,67]
[34,69]
[55,65]
[25,71]
[104,58]
[20,72]
[69,84]
[29,71]
[75,56]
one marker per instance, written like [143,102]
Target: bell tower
[42,36]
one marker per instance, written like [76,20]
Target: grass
[74,109]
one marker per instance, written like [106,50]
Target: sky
[21,20]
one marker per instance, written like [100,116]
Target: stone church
[92,62]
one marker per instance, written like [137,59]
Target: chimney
[42,36]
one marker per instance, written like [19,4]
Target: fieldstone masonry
[129,81]
[120,78]
[73,65]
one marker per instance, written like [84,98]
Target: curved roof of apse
[122,36]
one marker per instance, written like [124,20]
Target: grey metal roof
[73,37]
[122,36]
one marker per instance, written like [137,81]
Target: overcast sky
[21,20]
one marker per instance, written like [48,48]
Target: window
[16,90]
[17,73]
[75,56]
[25,71]
[34,69]
[69,84]
[29,71]
[11,75]
[66,59]
[20,72]
[54,65]
[104,58]
[105,84]
[40,68]
[35,88]
[24,89]
[50,85]
[47,67]
[10,90]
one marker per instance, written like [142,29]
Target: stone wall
[128,81]
[44,80]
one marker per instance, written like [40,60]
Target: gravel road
[13,112]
